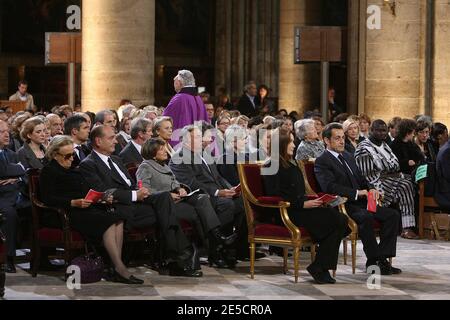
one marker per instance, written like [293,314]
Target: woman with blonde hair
[33,133]
[163,128]
[352,135]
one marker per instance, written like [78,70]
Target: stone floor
[425,264]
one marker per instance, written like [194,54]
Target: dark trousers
[9,228]
[389,220]
[205,211]
[327,227]
[160,209]
[231,214]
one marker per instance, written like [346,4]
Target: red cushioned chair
[255,202]
[2,263]
[42,237]
[313,187]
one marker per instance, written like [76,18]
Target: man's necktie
[3,157]
[114,170]
[81,154]
[349,174]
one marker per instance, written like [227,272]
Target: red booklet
[328,198]
[371,203]
[94,196]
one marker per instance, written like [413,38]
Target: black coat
[349,146]
[406,151]
[229,170]
[130,155]
[196,175]
[11,170]
[99,177]
[76,160]
[442,194]
[332,177]
[246,107]
[59,186]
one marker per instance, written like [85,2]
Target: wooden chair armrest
[351,223]
[62,213]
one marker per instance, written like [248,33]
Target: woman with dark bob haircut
[157,177]
[407,152]
[326,226]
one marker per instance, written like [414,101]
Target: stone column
[118,53]
[299,85]
[246,44]
[441,105]
[394,62]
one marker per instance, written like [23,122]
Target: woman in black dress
[63,187]
[326,226]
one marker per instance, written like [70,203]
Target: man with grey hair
[248,104]
[141,132]
[186,107]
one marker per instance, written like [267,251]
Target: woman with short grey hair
[236,141]
[310,147]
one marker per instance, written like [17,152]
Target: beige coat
[30,101]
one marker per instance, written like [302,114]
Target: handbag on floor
[91,267]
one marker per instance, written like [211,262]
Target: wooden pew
[431,217]
[16,106]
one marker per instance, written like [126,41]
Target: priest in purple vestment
[186,107]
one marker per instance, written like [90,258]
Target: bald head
[56,125]
[378,131]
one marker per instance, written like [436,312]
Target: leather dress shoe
[176,271]
[246,256]
[224,240]
[131,280]
[10,266]
[216,259]
[318,276]
[327,277]
[386,264]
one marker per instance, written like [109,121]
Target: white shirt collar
[103,157]
[335,154]
[137,146]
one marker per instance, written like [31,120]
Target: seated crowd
[150,181]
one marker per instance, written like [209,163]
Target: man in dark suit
[442,194]
[191,169]
[12,177]
[338,174]
[248,104]
[141,132]
[78,129]
[105,172]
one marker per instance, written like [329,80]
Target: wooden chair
[313,188]
[428,213]
[255,202]
[2,263]
[43,237]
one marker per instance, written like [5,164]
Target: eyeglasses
[67,156]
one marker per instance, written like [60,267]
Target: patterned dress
[310,150]
[381,168]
